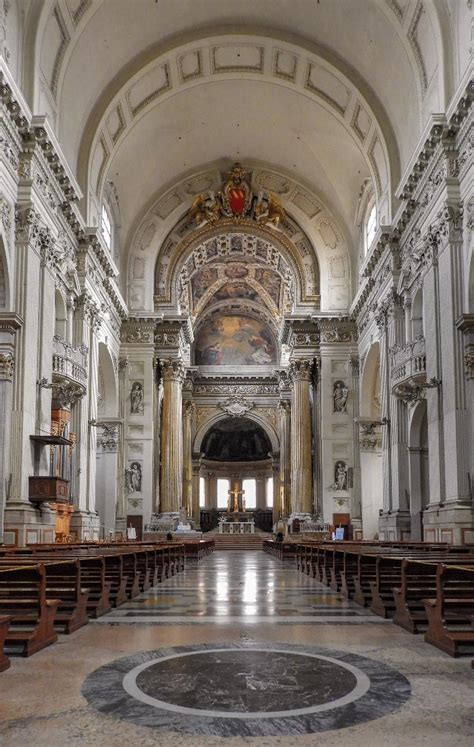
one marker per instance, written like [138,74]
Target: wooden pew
[4,625]
[64,583]
[449,614]
[418,582]
[23,598]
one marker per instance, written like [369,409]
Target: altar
[236,527]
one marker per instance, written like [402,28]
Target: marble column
[284,491]
[157,413]
[171,491]
[356,508]
[300,373]
[196,505]
[277,505]
[121,510]
[188,411]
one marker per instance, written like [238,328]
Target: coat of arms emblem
[237,200]
[237,195]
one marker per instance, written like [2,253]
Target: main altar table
[236,527]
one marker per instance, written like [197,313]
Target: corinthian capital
[173,370]
[6,365]
[301,369]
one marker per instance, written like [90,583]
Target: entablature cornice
[300,332]
[139,330]
[336,329]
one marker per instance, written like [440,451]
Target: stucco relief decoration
[136,398]
[340,393]
[236,406]
[108,438]
[237,200]
[469,361]
[369,435]
[6,365]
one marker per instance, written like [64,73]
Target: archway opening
[370,439]
[237,469]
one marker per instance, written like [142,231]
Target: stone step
[238,541]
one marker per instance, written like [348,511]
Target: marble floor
[242,649]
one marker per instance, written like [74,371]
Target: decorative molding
[300,369]
[7,365]
[138,330]
[236,406]
[107,439]
[173,370]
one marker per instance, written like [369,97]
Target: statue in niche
[136,398]
[339,395]
[133,478]
[340,476]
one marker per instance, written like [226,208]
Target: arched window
[223,487]
[269,492]
[370,226]
[249,487]
[106,227]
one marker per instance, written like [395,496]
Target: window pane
[223,487]
[106,227]
[250,495]
[371,226]
[270,492]
[202,492]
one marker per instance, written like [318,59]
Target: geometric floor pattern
[246,690]
[248,587]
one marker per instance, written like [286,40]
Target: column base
[121,526]
[301,517]
[395,526]
[24,524]
[453,523]
[85,526]
[357,531]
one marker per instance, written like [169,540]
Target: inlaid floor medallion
[246,690]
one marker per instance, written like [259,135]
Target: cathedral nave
[236,371]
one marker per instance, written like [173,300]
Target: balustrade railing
[69,362]
[409,362]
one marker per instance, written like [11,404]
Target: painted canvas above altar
[234,340]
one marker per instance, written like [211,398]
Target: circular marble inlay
[246,684]
[246,690]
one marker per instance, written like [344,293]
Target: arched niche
[4,284]
[107,384]
[417,326]
[418,461]
[370,384]
[316,232]
[60,315]
[234,439]
[227,242]
[214,420]
[470,290]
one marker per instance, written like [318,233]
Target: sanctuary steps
[237,541]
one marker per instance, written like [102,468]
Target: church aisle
[241,649]
[240,587]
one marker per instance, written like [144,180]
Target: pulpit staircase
[237,541]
